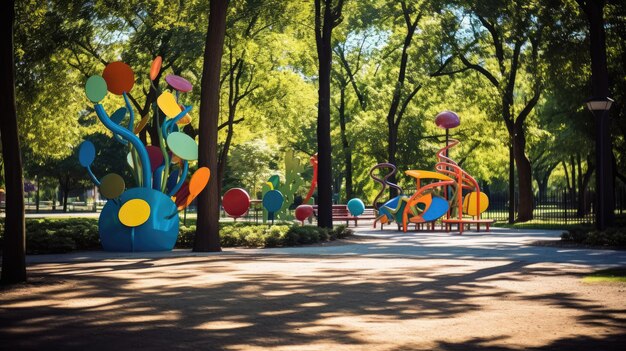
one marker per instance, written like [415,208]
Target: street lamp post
[605,195]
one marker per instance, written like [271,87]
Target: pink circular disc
[447,120]
[179,83]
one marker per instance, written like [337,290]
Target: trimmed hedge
[259,235]
[58,235]
[614,237]
[69,234]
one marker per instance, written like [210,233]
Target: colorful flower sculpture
[144,218]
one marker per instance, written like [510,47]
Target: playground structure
[438,193]
[144,218]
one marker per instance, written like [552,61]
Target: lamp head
[599,103]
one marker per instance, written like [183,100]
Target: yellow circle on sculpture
[134,213]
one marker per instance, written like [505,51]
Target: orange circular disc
[156,67]
[119,77]
[199,180]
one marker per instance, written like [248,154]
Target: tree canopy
[517,73]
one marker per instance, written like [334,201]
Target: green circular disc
[183,146]
[112,186]
[96,88]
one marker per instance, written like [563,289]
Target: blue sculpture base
[158,233]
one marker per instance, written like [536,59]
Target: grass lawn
[543,224]
[612,275]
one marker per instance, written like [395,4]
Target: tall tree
[14,251]
[508,31]
[207,231]
[327,17]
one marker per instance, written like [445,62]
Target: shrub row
[611,237]
[69,234]
[258,235]
[58,235]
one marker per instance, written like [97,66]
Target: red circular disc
[236,202]
[119,77]
[447,120]
[303,212]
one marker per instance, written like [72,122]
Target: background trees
[517,74]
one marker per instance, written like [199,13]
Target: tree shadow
[221,302]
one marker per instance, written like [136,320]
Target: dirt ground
[261,301]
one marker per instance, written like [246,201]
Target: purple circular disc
[179,83]
[447,120]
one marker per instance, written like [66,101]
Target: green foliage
[44,236]
[60,235]
[613,237]
[269,86]
[260,235]
[340,232]
[250,164]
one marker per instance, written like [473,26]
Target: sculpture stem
[132,138]
[183,176]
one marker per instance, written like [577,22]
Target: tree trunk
[574,180]
[223,157]
[37,196]
[524,177]
[567,182]
[66,192]
[207,232]
[344,143]
[393,121]
[14,245]
[511,184]
[583,198]
[392,148]
[543,187]
[324,23]
[324,147]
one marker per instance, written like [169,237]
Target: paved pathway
[385,291]
[499,244]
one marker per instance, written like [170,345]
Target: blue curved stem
[183,176]
[133,139]
[131,122]
[168,123]
[120,140]
[93,176]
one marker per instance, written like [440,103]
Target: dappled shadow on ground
[246,302]
[574,343]
[498,245]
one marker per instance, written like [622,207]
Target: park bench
[341,213]
[448,222]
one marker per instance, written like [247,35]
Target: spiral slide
[422,207]
[432,206]
[474,203]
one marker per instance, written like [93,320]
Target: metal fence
[558,206]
